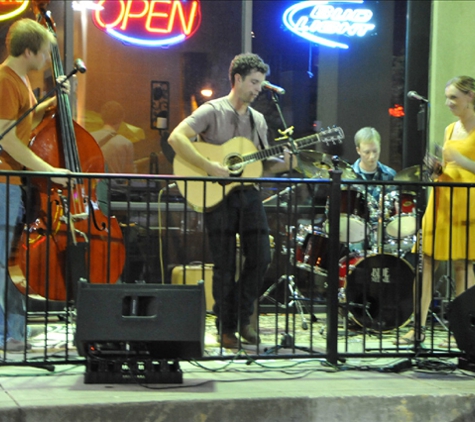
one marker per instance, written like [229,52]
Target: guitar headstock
[333,135]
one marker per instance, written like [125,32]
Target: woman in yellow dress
[449,220]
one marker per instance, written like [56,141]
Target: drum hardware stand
[345,315]
[296,299]
[287,341]
[434,315]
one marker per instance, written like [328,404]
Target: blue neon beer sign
[322,22]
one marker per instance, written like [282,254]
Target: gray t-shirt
[217,122]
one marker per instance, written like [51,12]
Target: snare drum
[378,290]
[400,209]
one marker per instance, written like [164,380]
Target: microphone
[79,66]
[413,95]
[273,88]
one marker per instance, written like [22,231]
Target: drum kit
[375,279]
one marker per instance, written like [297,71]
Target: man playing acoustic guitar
[240,210]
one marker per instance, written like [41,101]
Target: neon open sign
[10,9]
[321,22]
[148,23]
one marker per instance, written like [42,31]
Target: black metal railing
[343,280]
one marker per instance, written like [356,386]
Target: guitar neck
[279,149]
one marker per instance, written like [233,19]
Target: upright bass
[70,238]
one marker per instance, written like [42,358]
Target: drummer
[368,166]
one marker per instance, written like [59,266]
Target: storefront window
[158,85]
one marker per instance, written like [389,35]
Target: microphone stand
[422,117]
[281,193]
[33,108]
[422,127]
[293,147]
[295,294]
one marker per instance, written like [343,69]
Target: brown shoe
[228,341]
[249,334]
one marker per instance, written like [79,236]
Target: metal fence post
[333,268]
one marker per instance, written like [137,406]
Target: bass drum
[378,290]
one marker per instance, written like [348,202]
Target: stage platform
[270,391]
[236,388]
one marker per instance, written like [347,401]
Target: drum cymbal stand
[292,293]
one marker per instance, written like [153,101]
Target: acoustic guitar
[242,158]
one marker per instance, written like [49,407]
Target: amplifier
[140,320]
[191,274]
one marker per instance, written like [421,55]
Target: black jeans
[240,212]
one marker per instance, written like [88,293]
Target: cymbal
[347,171]
[317,165]
[411,174]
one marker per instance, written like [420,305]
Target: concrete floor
[238,390]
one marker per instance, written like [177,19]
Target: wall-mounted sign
[149,23]
[10,9]
[323,22]
[159,105]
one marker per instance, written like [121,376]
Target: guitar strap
[254,129]
[101,142]
[106,139]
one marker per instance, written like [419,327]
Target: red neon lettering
[177,5]
[101,22]
[158,15]
[128,13]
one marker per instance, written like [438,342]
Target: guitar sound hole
[235,165]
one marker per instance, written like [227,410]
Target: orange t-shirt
[16,98]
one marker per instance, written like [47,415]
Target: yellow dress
[451,222]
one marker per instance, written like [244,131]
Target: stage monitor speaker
[461,317]
[154,321]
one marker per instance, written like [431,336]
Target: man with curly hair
[241,211]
